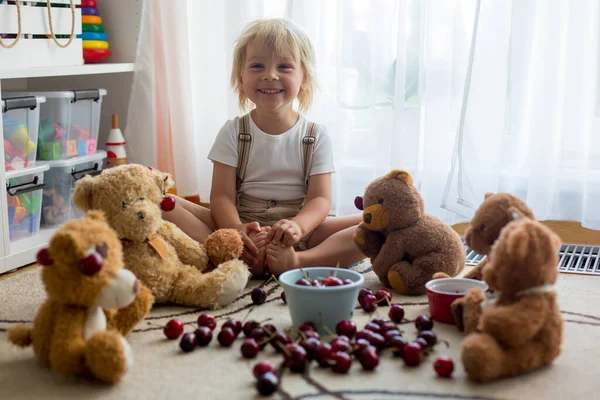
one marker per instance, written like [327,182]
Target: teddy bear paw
[235,281]
[397,282]
[108,356]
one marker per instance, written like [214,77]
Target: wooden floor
[569,231]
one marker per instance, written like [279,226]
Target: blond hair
[285,38]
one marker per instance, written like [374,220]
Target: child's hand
[286,232]
[250,253]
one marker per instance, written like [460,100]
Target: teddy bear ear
[163,179]
[401,175]
[84,193]
[515,214]
[488,194]
[96,215]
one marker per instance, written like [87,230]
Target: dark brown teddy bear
[407,247]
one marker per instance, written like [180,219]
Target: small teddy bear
[521,330]
[407,247]
[174,266]
[494,213]
[92,300]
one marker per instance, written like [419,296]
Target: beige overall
[268,212]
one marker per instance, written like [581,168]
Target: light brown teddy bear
[407,247]
[522,330]
[91,301]
[175,267]
[494,213]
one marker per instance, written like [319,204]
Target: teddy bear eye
[141,199]
[482,228]
[123,204]
[380,201]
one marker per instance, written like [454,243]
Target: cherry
[376,340]
[346,328]
[429,336]
[307,326]
[311,345]
[208,321]
[348,281]
[303,282]
[412,354]
[364,334]
[258,295]
[203,336]
[423,323]
[341,362]
[368,358]
[422,342]
[188,342]
[317,283]
[249,326]
[379,321]
[373,327]
[259,335]
[323,354]
[389,326]
[249,348]
[360,344]
[343,338]
[311,334]
[43,257]
[173,329]
[396,313]
[226,337]
[443,366]
[341,345]
[332,281]
[280,340]
[295,357]
[358,202]
[270,329]
[235,325]
[362,293]
[168,203]
[262,368]
[397,344]
[384,297]
[388,335]
[91,264]
[267,384]
[369,303]
[283,297]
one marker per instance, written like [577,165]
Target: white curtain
[470,97]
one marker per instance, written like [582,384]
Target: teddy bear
[177,269]
[92,301]
[407,246]
[521,329]
[494,213]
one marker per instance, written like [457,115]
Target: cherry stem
[337,266]
[306,275]
[325,326]
[264,320]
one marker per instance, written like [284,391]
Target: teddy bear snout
[140,215]
[367,218]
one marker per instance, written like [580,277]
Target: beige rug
[162,371]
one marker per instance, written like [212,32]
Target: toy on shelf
[17,144]
[53,140]
[115,145]
[95,44]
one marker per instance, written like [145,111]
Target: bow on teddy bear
[92,301]
[175,267]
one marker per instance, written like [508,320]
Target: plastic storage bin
[69,123]
[24,198]
[20,123]
[57,207]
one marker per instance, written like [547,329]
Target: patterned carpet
[162,371]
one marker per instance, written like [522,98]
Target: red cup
[442,292]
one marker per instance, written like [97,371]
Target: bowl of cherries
[321,295]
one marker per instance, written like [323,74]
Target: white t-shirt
[275,168]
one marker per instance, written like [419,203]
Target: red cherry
[332,281]
[348,281]
[307,326]
[384,297]
[203,336]
[429,336]
[369,303]
[295,357]
[188,342]
[208,321]
[341,362]
[270,329]
[226,337]
[341,345]
[362,293]
[444,367]
[235,325]
[168,203]
[262,368]
[396,313]
[311,345]
[368,358]
[412,354]
[388,335]
[249,348]
[267,384]
[323,354]
[280,340]
[376,340]
[397,344]
[358,202]
[312,334]
[303,282]
[173,329]
[317,283]
[389,326]
[283,298]
[373,327]
[346,328]
[422,342]
[423,323]
[91,264]
[360,344]
[259,335]
[43,257]
[258,295]
[379,321]
[249,326]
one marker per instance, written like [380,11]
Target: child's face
[270,81]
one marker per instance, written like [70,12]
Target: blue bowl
[327,304]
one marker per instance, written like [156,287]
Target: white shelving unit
[121,20]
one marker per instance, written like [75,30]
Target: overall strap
[244,142]
[308,143]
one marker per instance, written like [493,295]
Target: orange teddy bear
[521,330]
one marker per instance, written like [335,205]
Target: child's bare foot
[260,240]
[281,259]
